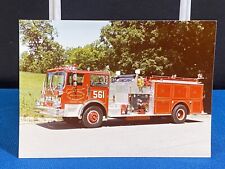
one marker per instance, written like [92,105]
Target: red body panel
[75,94]
[84,93]
[167,95]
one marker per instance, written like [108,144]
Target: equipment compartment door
[163,98]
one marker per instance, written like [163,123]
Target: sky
[75,33]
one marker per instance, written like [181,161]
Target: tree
[160,48]
[44,52]
[91,56]
[133,45]
[188,45]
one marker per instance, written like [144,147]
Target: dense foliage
[163,48]
[92,56]
[160,48]
[44,52]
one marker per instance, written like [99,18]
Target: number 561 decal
[98,94]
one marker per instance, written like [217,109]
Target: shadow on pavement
[61,125]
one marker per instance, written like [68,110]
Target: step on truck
[89,96]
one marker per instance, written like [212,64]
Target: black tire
[92,117]
[71,120]
[179,113]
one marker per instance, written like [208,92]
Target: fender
[88,103]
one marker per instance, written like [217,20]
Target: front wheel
[179,113]
[92,117]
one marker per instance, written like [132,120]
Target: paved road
[154,138]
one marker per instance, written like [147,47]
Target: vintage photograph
[121,88]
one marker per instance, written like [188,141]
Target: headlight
[57,102]
[37,103]
[60,93]
[48,98]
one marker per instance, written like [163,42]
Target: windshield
[55,80]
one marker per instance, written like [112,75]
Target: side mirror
[74,79]
[75,83]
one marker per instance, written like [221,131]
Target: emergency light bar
[74,67]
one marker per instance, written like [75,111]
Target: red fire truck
[89,96]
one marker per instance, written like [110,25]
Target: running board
[137,115]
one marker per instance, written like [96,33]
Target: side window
[57,81]
[99,80]
[75,79]
[70,79]
[80,79]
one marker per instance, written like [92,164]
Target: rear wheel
[92,117]
[179,113]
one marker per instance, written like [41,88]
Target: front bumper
[54,109]
[49,111]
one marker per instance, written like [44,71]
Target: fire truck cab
[88,96]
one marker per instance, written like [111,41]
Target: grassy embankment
[30,91]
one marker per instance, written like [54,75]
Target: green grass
[30,91]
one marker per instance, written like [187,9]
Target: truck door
[99,88]
[76,89]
